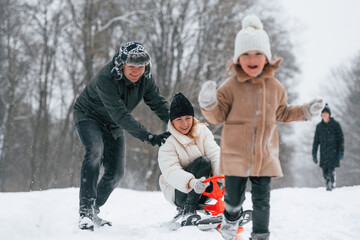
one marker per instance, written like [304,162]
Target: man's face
[325,116]
[133,73]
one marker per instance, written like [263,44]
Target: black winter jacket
[110,102]
[331,140]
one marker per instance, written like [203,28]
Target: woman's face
[252,62]
[133,73]
[183,124]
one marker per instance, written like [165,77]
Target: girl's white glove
[315,106]
[198,185]
[207,95]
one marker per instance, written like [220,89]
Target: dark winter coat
[110,102]
[331,140]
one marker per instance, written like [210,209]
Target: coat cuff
[210,106]
[306,113]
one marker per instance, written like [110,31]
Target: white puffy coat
[178,152]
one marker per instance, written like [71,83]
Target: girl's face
[252,62]
[183,124]
[133,73]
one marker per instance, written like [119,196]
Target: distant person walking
[329,136]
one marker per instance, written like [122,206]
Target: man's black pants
[100,148]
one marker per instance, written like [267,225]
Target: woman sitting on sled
[186,159]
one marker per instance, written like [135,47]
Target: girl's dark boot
[260,236]
[229,228]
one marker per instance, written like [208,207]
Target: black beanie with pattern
[131,53]
[180,106]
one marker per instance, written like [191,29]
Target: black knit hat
[326,109]
[180,106]
[132,53]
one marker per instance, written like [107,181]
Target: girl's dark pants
[200,167]
[235,196]
[100,149]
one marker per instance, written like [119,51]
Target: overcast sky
[331,36]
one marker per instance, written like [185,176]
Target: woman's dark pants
[200,167]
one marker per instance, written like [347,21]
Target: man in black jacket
[330,137]
[101,114]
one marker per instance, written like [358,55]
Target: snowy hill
[296,214]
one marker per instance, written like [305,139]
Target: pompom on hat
[180,106]
[252,37]
[131,53]
[326,109]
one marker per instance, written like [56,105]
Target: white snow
[296,214]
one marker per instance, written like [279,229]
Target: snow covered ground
[296,214]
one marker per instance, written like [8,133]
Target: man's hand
[315,159]
[158,139]
[340,156]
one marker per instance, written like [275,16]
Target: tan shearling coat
[178,152]
[249,108]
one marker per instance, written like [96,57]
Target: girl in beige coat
[249,103]
[186,159]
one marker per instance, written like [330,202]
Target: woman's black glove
[158,139]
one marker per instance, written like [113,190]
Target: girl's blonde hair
[192,130]
[230,68]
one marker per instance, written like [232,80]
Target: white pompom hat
[252,37]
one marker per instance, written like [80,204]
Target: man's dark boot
[86,213]
[99,221]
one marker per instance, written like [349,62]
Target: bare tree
[12,80]
[46,20]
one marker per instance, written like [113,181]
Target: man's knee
[94,154]
[114,175]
